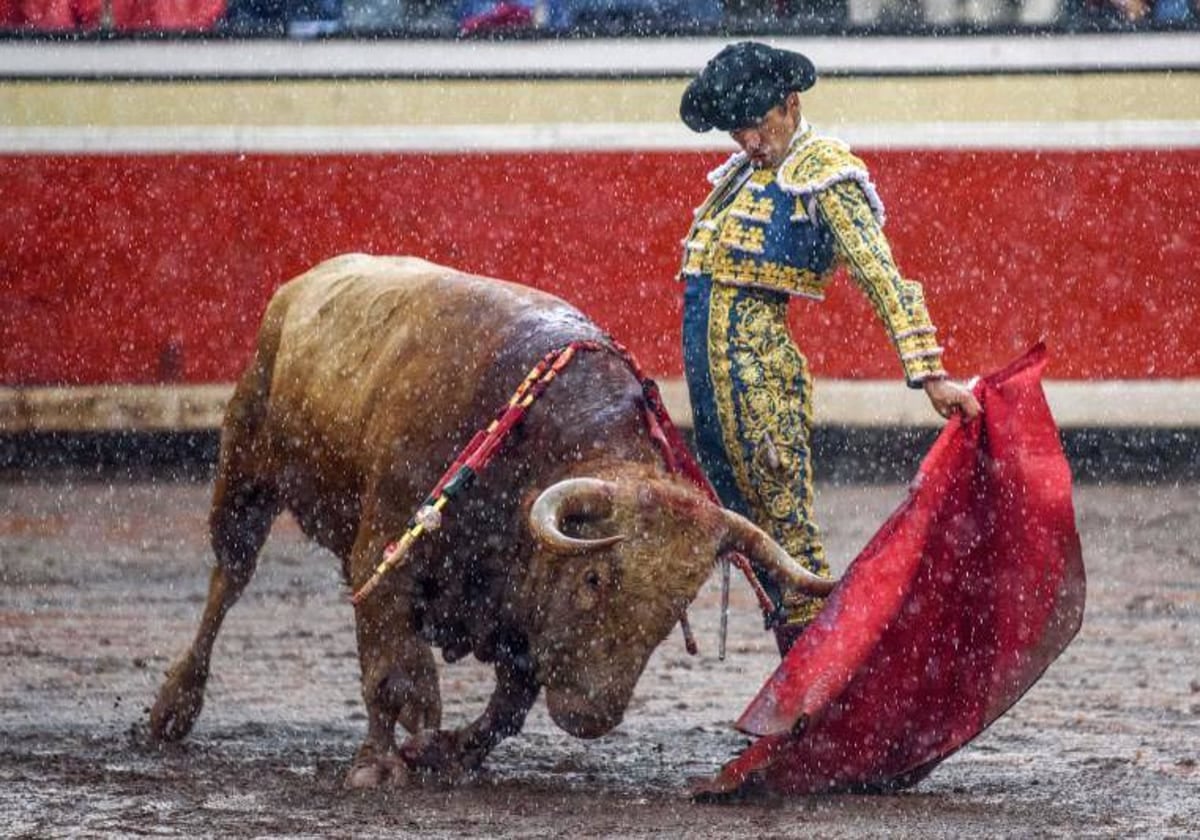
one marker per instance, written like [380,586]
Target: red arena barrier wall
[156,268]
[153,194]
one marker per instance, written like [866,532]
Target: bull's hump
[353,308]
[487,307]
[357,275]
[521,301]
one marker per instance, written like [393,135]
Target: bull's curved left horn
[587,497]
[764,552]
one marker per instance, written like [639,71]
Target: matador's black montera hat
[741,83]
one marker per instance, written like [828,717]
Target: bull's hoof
[438,754]
[369,772]
[715,790]
[178,704]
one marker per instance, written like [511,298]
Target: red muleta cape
[952,611]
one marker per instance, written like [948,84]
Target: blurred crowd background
[554,18]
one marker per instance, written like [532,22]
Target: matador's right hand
[949,398]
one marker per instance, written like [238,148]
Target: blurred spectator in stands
[51,15]
[431,17]
[605,17]
[1039,12]
[310,18]
[917,13]
[251,17]
[796,15]
[1127,14]
[165,15]
[753,14]
[892,13]
[976,13]
[1112,12]
[112,15]
[499,17]
[1173,11]
[634,16]
[297,18]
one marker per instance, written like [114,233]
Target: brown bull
[565,565]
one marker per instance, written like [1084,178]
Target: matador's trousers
[750,391]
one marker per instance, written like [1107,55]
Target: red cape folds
[952,611]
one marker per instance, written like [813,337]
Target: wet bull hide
[565,565]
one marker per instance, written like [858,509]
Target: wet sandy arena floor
[101,585]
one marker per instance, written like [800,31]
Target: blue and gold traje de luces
[758,227]
[755,243]
[760,238]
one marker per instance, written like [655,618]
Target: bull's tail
[245,494]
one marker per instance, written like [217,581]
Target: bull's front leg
[399,685]
[449,755]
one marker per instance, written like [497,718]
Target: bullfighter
[783,213]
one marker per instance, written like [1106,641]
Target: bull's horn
[587,497]
[764,552]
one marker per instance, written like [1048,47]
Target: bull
[567,563]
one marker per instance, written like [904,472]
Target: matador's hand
[949,398]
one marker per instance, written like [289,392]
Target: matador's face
[766,142]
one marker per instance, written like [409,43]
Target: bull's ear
[587,499]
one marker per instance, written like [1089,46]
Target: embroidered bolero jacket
[787,229]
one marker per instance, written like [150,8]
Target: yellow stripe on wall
[996,98]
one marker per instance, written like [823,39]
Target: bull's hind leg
[239,523]
[245,503]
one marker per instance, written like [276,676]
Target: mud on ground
[101,585]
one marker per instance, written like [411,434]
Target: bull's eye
[592,579]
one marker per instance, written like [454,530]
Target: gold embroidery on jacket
[817,164]
[899,303]
[799,211]
[696,248]
[727,269]
[747,207]
[742,237]
[763,389]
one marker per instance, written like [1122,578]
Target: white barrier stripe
[629,57]
[567,137]
[1168,403]
[110,408]
[1116,404]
